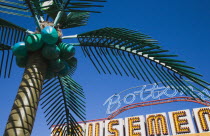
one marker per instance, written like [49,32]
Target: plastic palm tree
[49,63]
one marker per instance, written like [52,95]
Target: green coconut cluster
[59,57]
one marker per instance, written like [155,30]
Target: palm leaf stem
[58,17]
[70,37]
[64,98]
[28,2]
[61,12]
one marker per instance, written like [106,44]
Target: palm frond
[126,52]
[75,19]
[66,12]
[78,5]
[69,13]
[10,24]
[34,7]
[73,66]
[62,100]
[9,35]
[14,8]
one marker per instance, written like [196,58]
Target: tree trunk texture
[22,116]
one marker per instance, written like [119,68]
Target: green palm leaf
[14,8]
[67,13]
[9,35]
[73,66]
[10,24]
[126,52]
[62,100]
[76,5]
[75,19]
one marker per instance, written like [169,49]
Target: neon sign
[144,93]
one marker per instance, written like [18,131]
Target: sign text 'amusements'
[181,123]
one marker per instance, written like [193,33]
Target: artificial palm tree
[49,63]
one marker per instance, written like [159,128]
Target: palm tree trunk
[22,116]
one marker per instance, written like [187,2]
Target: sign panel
[202,117]
[94,129]
[157,124]
[181,124]
[135,126]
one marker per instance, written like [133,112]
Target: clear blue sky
[181,26]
